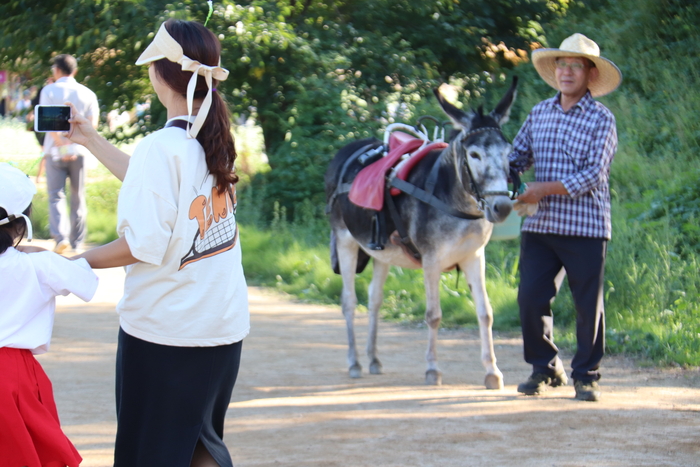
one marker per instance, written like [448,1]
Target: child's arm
[111,255]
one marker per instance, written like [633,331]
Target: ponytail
[215,136]
[216,139]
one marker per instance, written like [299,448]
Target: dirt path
[294,404]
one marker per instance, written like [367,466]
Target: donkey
[471,189]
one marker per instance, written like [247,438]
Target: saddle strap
[430,199]
[431,182]
[398,223]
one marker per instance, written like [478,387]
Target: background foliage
[316,74]
[312,73]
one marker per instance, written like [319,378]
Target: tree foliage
[314,73]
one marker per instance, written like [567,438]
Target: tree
[314,73]
[319,73]
[371,48]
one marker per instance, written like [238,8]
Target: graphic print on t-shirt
[217,229]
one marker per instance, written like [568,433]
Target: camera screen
[52,118]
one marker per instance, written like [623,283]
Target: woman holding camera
[184,312]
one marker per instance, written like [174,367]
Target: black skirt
[168,398]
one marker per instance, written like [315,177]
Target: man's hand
[58,139]
[524,209]
[538,190]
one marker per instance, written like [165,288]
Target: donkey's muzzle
[498,208]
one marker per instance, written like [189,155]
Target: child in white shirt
[30,431]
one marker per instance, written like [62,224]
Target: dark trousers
[542,256]
[72,228]
[169,399]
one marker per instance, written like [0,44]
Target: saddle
[405,151]
[367,190]
[370,188]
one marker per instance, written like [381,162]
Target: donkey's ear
[459,119]
[502,110]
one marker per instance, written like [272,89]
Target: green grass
[21,148]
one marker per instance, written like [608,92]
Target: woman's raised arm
[83,132]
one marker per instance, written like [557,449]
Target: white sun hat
[578,45]
[16,193]
[164,46]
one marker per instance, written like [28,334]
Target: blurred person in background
[65,159]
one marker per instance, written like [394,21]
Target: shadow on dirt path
[295,405]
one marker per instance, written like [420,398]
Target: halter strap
[480,196]
[481,130]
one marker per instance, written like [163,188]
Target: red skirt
[30,432]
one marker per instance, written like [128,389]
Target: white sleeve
[147,208]
[93,107]
[44,96]
[63,276]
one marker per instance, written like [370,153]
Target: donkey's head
[479,153]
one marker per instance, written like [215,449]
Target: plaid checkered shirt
[576,148]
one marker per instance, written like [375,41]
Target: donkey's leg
[347,249]
[433,317]
[376,297]
[474,270]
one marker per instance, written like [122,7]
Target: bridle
[475,191]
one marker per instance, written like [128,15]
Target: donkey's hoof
[355,371]
[375,368]
[433,377]
[493,381]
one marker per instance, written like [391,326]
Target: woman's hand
[82,130]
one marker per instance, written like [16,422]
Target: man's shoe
[61,247]
[587,390]
[537,383]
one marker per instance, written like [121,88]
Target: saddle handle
[438,128]
[404,127]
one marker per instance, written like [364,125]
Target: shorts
[30,432]
[168,398]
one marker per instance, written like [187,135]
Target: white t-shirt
[188,287]
[29,285]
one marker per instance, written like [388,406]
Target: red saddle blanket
[367,189]
[406,166]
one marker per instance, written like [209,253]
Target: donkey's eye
[474,155]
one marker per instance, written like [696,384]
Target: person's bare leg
[202,458]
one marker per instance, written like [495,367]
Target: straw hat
[578,45]
[16,193]
[164,46]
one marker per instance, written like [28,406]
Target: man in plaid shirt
[571,140]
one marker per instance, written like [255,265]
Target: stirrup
[375,242]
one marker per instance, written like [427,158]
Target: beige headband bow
[164,46]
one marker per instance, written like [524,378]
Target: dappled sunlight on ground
[294,403]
